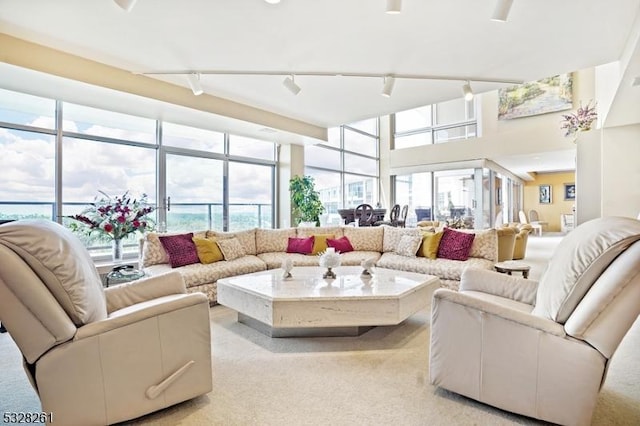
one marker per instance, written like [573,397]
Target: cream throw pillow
[408,245]
[231,248]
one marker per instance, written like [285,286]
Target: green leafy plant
[305,200]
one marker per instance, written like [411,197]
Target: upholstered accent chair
[522,231]
[506,243]
[522,237]
[98,356]
[541,349]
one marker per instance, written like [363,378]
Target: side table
[123,274]
[509,266]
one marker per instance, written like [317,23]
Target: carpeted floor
[379,378]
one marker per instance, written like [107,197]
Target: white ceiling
[448,38]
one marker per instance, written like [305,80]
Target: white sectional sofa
[267,249]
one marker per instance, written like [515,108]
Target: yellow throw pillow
[208,250]
[430,244]
[320,242]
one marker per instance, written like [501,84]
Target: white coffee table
[308,305]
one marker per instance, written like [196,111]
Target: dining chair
[363,215]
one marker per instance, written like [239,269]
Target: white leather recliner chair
[97,356]
[541,349]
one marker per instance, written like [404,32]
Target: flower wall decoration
[579,121]
[114,218]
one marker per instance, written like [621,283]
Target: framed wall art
[544,194]
[569,191]
[536,97]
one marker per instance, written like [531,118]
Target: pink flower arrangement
[579,121]
[115,217]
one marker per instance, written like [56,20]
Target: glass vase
[117,250]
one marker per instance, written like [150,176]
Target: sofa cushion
[180,248]
[355,258]
[392,236]
[153,252]
[199,274]
[62,263]
[269,240]
[455,245]
[231,248]
[300,245]
[367,238]
[247,238]
[430,244]
[578,261]
[445,269]
[485,243]
[408,245]
[207,250]
[342,245]
[274,260]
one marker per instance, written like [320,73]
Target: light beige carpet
[379,378]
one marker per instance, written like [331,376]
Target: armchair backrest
[579,260]
[48,284]
[610,307]
[592,278]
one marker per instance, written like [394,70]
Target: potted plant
[305,200]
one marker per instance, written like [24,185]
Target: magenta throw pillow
[180,248]
[455,245]
[342,245]
[300,245]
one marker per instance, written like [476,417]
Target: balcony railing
[181,217]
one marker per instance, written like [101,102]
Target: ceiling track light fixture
[193,77]
[387,87]
[290,84]
[272,1]
[125,5]
[501,12]
[394,7]
[467,92]
[194,82]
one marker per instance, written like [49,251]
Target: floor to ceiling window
[199,179]
[195,199]
[27,144]
[346,168]
[472,197]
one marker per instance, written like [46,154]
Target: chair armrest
[503,285]
[504,312]
[144,289]
[142,311]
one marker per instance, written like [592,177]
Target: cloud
[28,169]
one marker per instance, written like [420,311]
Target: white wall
[589,176]
[621,171]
